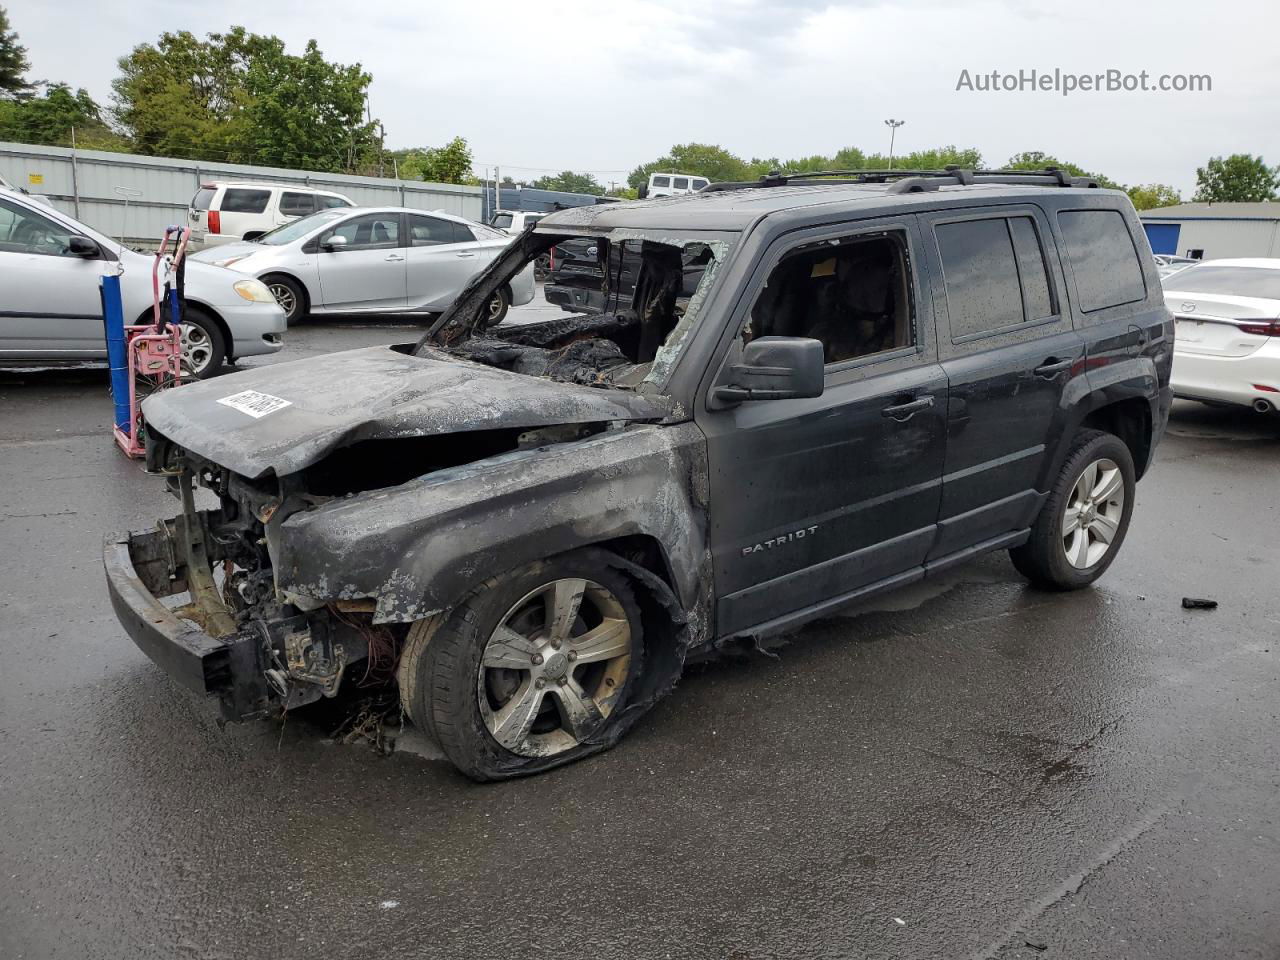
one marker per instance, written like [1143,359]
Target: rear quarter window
[202,199]
[239,200]
[1103,258]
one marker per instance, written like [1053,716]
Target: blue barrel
[117,351]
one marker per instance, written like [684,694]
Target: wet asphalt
[967,769]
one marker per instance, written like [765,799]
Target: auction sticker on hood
[253,403]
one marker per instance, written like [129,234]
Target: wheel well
[280,275]
[1130,420]
[227,340]
[643,551]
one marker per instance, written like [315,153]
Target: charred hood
[287,416]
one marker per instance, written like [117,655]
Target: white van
[225,212]
[673,184]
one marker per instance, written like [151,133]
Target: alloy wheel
[285,297]
[553,669]
[197,348]
[495,307]
[1091,518]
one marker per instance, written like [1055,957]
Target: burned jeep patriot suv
[528,528]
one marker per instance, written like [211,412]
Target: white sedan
[373,260]
[1227,343]
[51,311]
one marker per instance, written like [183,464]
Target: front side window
[853,295]
[297,204]
[697,183]
[22,231]
[502,221]
[1103,258]
[680,183]
[373,231]
[240,200]
[329,203]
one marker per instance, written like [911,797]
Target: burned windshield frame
[651,366]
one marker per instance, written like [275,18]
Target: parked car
[50,310]
[1228,321]
[1167,264]
[537,523]
[576,281]
[227,212]
[512,222]
[372,260]
[672,185]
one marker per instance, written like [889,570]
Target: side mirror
[773,368]
[334,243]
[83,247]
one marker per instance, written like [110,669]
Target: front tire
[1084,519]
[497,309]
[530,671]
[203,346]
[291,297]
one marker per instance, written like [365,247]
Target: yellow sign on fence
[35,178]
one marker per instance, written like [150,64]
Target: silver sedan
[372,260]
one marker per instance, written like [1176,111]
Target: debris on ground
[1041,947]
[370,721]
[1195,603]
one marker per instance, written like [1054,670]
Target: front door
[50,307]
[813,500]
[368,271]
[1011,357]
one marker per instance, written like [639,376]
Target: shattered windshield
[643,293]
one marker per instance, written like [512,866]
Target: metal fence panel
[135,197]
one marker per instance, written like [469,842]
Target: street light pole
[893,126]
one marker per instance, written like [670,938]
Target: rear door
[1011,359]
[49,301]
[368,272]
[815,499]
[443,256]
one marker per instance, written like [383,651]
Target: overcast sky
[603,86]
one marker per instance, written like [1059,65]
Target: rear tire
[1084,519]
[497,310]
[575,678]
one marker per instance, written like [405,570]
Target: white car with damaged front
[373,260]
[1227,340]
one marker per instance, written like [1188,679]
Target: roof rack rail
[912,181]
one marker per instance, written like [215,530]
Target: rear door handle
[394,258]
[464,256]
[1052,367]
[903,412]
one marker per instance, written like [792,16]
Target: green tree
[1148,196]
[570,182]
[1038,160]
[240,97]
[13,63]
[1239,178]
[50,118]
[700,159]
[448,164]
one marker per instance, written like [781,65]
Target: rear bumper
[226,667]
[1229,379]
[574,299]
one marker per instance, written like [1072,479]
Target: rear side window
[680,183]
[239,200]
[297,204]
[662,181]
[430,231]
[202,199]
[1103,258]
[981,276]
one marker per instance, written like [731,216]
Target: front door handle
[1052,367]
[902,412]
[464,256]
[394,258]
